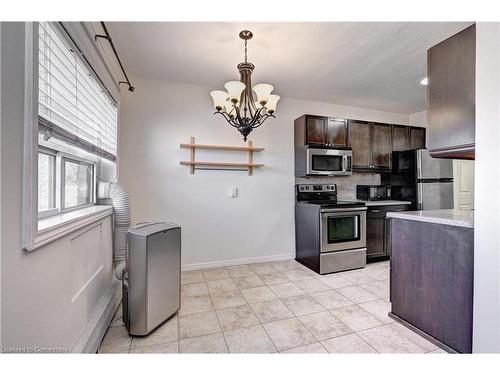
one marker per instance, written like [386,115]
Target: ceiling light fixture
[238,105]
[425,81]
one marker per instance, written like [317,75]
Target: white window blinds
[73,106]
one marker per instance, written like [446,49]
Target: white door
[463,177]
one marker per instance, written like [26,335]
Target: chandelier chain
[245,50]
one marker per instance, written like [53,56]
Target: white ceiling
[364,64]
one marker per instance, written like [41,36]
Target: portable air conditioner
[151,282]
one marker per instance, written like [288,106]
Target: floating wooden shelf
[220,164]
[192,163]
[222,148]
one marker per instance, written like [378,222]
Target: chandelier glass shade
[245,107]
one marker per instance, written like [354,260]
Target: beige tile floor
[277,307]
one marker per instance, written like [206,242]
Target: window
[77,182]
[77,124]
[46,182]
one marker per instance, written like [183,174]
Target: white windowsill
[54,227]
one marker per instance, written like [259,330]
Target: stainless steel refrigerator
[425,181]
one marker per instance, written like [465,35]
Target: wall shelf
[216,165]
[222,148]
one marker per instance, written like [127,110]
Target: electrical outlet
[233,192]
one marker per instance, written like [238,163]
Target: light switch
[233,192]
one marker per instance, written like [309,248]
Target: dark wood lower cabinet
[377,231]
[432,269]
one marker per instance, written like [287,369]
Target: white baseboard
[93,334]
[236,262]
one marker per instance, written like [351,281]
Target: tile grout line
[249,305]
[215,310]
[295,316]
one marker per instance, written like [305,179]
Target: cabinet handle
[374,211]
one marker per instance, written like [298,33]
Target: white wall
[486,329]
[54,296]
[418,119]
[216,229]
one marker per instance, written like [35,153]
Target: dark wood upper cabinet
[451,69]
[320,131]
[359,140]
[316,130]
[336,132]
[400,137]
[381,145]
[372,143]
[417,138]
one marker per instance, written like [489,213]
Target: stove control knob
[307,187]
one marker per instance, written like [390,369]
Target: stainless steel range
[330,235]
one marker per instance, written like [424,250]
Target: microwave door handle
[344,163]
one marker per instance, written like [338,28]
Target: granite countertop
[385,203]
[458,218]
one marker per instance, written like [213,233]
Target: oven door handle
[333,210]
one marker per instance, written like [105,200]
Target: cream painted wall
[419,119]
[486,328]
[55,296]
[258,225]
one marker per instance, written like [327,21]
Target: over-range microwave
[313,161]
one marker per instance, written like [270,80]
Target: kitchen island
[432,275]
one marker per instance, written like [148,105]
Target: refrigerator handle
[418,157]
[419,196]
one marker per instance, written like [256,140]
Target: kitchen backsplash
[346,186]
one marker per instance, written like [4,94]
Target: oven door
[329,162]
[343,229]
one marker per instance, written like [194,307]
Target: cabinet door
[400,136]
[381,146]
[316,130]
[336,132]
[417,138]
[451,96]
[375,233]
[359,140]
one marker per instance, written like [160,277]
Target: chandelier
[238,105]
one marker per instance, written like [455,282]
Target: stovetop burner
[335,203]
[323,195]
